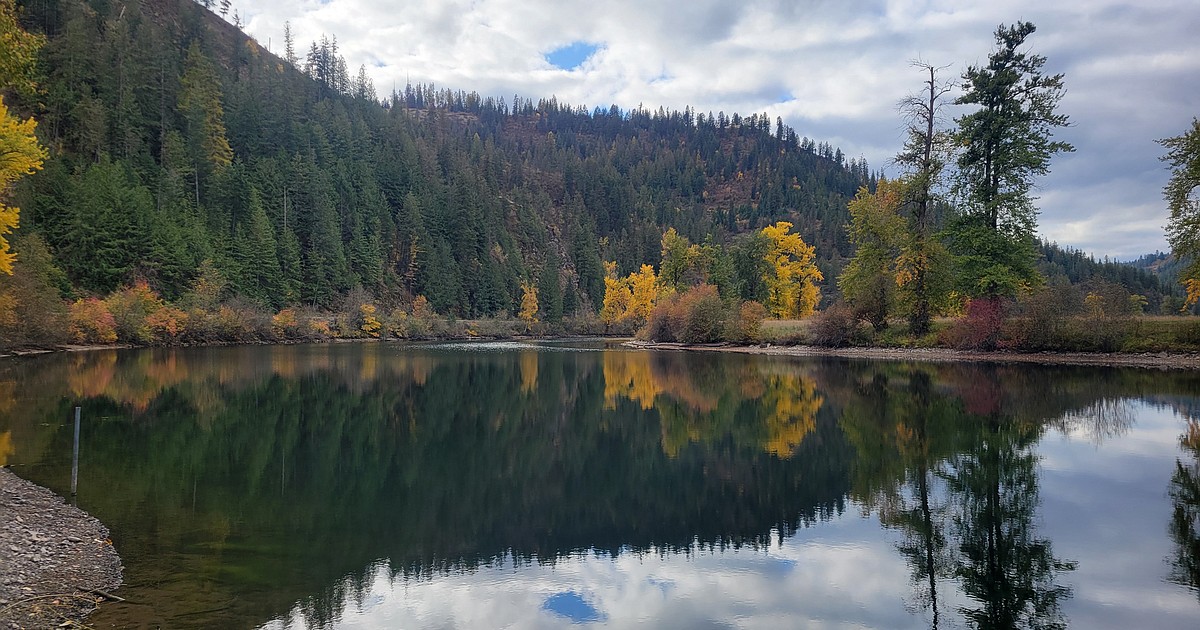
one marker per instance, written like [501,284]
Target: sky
[833,70]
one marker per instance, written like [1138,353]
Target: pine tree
[1006,143]
[289,46]
[257,258]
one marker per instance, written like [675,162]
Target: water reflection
[1185,515]
[338,485]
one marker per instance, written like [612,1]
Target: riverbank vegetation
[181,184]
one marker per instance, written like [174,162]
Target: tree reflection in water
[917,428]
[284,479]
[1185,514]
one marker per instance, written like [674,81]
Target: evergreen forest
[187,165]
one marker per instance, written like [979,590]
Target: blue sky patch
[573,606]
[572,55]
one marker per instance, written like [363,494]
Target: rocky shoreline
[56,561]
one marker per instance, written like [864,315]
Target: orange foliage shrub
[320,328]
[368,323]
[166,324]
[697,315]
[91,322]
[285,325]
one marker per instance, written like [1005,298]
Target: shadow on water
[249,484]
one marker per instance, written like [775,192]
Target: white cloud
[833,70]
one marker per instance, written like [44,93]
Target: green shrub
[745,326]
[705,315]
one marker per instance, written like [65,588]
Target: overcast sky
[834,70]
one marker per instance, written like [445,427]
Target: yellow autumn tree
[617,295]
[792,274]
[368,322]
[20,153]
[18,52]
[629,300]
[643,294]
[529,303]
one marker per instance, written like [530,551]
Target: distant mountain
[1145,276]
[1165,266]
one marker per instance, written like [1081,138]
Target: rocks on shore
[55,559]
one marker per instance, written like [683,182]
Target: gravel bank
[55,559]
[1160,360]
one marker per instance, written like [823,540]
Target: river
[537,485]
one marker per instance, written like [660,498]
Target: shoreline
[1155,360]
[1159,360]
[58,560]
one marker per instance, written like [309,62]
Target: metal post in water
[75,456]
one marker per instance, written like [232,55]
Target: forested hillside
[1069,266]
[176,140]
[187,163]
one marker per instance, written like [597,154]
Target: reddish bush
[697,315]
[836,326]
[665,319]
[979,328]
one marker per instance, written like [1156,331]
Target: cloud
[832,70]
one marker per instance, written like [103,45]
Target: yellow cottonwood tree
[20,153]
[529,303]
[629,299]
[793,275]
[1182,193]
[643,288]
[617,295]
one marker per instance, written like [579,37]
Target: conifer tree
[1006,143]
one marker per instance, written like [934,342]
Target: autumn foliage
[629,301]
[91,322]
[793,276]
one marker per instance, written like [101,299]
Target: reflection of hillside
[271,474]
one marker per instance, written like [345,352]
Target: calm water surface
[539,486]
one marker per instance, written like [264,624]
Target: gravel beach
[1159,360]
[56,562]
